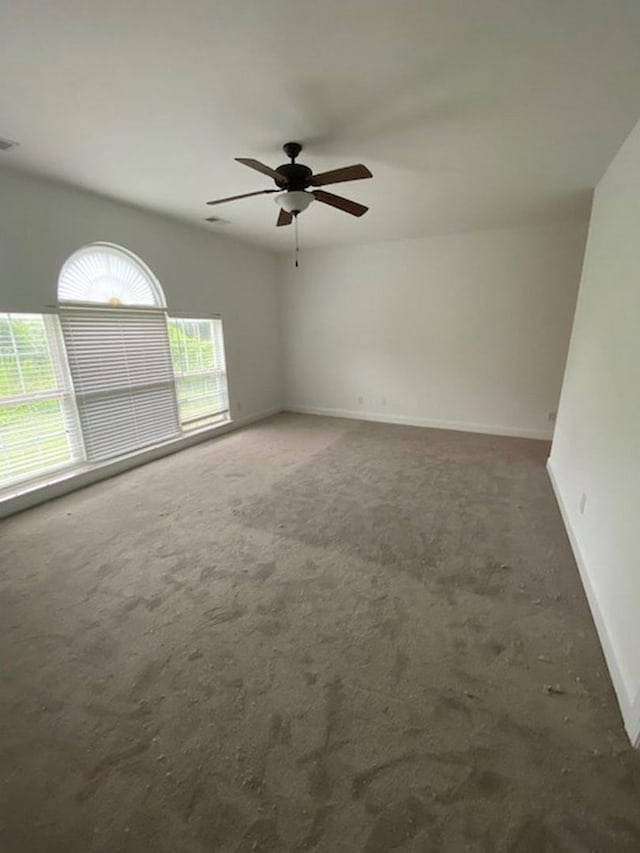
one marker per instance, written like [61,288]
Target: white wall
[43,222]
[596,447]
[468,331]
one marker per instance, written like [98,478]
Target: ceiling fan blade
[284,218]
[244,195]
[259,167]
[341,203]
[337,176]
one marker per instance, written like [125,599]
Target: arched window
[140,377]
[122,376]
[108,275]
[113,318]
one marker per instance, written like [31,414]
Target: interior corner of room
[465,331]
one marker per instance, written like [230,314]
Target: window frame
[78,469]
[63,393]
[119,253]
[219,372]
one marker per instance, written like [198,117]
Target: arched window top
[108,275]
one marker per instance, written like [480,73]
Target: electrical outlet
[360,399]
[384,401]
[552,417]
[238,406]
[583,503]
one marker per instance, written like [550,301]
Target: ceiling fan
[293,181]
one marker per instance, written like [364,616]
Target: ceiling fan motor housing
[295,176]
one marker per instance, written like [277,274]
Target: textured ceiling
[470,113]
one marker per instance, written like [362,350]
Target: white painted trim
[459,426]
[72,480]
[630,709]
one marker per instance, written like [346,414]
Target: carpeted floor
[310,635]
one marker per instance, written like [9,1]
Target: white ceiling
[469,113]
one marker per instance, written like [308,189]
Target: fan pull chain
[297,252]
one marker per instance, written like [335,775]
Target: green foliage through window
[198,363]
[34,406]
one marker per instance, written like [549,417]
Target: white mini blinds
[115,334]
[120,363]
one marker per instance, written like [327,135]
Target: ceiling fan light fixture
[293,182]
[294,201]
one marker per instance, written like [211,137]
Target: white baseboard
[70,481]
[629,707]
[253,417]
[459,426]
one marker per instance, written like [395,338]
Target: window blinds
[121,368]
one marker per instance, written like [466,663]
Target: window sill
[60,482]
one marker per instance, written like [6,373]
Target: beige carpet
[310,635]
